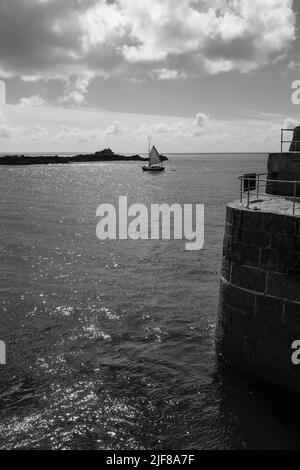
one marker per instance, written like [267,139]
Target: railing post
[248,195]
[281,139]
[260,183]
[241,194]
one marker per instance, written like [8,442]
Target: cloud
[201,119]
[188,129]
[166,74]
[114,130]
[2,92]
[38,134]
[34,100]
[51,129]
[192,36]
[76,89]
[70,134]
[161,129]
[5,132]
[291,123]
[75,40]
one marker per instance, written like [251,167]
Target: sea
[110,344]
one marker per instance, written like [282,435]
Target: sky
[194,75]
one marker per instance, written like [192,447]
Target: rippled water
[110,344]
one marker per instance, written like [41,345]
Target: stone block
[253,221]
[247,326]
[278,223]
[274,260]
[280,335]
[250,237]
[284,287]
[269,308]
[233,347]
[283,242]
[228,246]
[241,253]
[297,242]
[226,269]
[234,217]
[237,298]
[248,278]
[247,254]
[292,315]
[298,229]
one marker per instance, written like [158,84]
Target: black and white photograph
[149,228]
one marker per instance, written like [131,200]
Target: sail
[154,158]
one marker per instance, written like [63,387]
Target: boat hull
[153,169]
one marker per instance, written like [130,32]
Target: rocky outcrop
[106,155]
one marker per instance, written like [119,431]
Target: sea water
[110,344]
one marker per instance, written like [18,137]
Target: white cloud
[161,129]
[292,66]
[34,100]
[51,129]
[218,35]
[76,89]
[291,123]
[176,128]
[166,74]
[5,132]
[114,130]
[201,119]
[38,134]
[69,134]
[164,39]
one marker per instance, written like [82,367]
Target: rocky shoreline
[106,155]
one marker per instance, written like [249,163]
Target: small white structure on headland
[2,92]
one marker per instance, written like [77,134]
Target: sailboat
[155,161]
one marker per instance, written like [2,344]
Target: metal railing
[254,183]
[282,141]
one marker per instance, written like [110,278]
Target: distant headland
[106,155]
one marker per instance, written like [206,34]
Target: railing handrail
[256,174]
[267,180]
[263,182]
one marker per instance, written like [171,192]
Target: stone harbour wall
[283,167]
[259,306]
